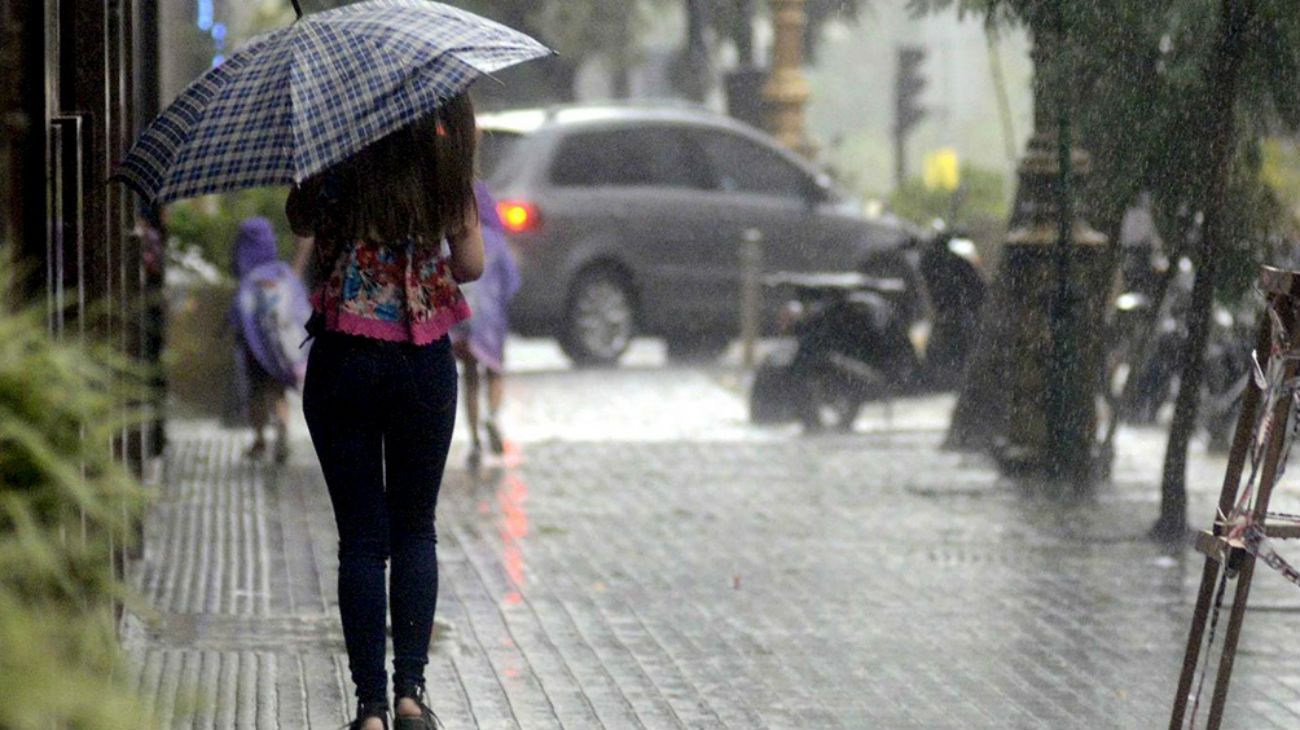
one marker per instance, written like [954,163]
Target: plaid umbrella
[296,100]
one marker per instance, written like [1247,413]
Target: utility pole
[909,82]
[786,93]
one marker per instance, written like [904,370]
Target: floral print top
[399,291]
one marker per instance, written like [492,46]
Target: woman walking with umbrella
[362,109]
[380,395]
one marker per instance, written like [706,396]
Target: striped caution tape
[1257,543]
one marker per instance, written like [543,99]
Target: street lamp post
[786,93]
[1054,263]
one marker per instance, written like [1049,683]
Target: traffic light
[908,86]
[908,112]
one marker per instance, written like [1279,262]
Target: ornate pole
[786,93]
[1053,265]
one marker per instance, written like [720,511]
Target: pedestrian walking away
[269,313]
[480,341]
[380,396]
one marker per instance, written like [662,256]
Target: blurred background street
[867,364]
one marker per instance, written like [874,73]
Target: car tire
[600,320]
[697,347]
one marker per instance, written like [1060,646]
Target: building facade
[78,80]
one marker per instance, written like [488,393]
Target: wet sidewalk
[646,559]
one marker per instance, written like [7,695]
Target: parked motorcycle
[1146,352]
[1226,375]
[852,333]
[850,345]
[955,285]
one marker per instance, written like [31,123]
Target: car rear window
[494,149]
[627,158]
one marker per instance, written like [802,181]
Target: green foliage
[1281,172]
[211,223]
[200,349]
[1259,227]
[63,502]
[1134,76]
[979,208]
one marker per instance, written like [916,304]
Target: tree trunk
[692,66]
[1223,72]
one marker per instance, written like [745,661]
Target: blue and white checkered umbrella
[296,100]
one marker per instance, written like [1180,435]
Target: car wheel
[601,319]
[699,347]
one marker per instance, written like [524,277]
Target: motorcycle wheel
[828,402]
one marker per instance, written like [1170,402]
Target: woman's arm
[467,249]
[305,246]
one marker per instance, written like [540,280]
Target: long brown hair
[416,182]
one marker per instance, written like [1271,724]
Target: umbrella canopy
[294,101]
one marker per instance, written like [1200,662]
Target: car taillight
[518,216]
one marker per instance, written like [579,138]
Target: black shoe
[426,721]
[367,711]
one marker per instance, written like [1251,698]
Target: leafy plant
[64,502]
[1281,172]
[211,223]
[979,207]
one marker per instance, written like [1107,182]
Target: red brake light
[518,216]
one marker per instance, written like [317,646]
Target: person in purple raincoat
[270,313]
[479,342]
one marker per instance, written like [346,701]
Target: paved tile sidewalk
[682,569]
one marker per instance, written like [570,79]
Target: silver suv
[630,220]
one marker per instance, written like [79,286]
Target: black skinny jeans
[381,416]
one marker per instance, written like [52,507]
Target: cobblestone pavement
[643,558]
